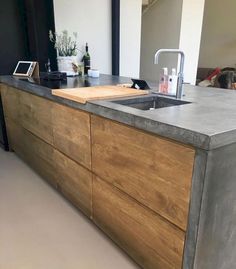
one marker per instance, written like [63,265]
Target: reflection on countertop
[77,81]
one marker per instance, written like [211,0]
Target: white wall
[190,36]
[172,24]
[130,37]
[92,20]
[218,45]
[160,29]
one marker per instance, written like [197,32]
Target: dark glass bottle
[86,60]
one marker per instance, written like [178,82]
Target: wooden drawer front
[72,133]
[36,115]
[10,100]
[40,157]
[38,154]
[148,238]
[15,135]
[75,182]
[154,171]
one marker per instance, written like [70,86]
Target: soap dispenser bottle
[172,82]
[163,81]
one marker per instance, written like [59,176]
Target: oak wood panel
[75,182]
[38,154]
[15,135]
[36,115]
[155,171]
[148,238]
[71,129]
[10,100]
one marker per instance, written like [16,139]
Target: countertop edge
[178,134]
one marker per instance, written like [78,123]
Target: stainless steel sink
[150,102]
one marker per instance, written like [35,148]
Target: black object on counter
[140,84]
[53,75]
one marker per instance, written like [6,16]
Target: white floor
[40,230]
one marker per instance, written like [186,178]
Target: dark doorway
[13,44]
[39,17]
[24,26]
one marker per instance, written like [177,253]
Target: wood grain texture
[148,238]
[143,196]
[71,130]
[75,182]
[10,100]
[36,115]
[15,135]
[82,95]
[154,171]
[38,154]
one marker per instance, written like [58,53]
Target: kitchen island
[160,183]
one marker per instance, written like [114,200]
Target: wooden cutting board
[82,95]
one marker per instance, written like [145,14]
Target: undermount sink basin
[150,102]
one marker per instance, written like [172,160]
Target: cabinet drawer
[10,100]
[154,171]
[75,182]
[38,154]
[148,238]
[36,115]
[71,130]
[15,135]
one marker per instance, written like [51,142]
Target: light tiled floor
[40,230]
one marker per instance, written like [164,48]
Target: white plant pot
[65,64]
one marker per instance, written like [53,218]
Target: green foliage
[64,44]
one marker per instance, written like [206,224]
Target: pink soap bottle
[163,81]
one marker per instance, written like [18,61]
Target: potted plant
[67,49]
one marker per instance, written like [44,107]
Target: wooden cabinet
[10,100]
[148,238]
[34,151]
[75,182]
[134,185]
[154,171]
[36,116]
[71,130]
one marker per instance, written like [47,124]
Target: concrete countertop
[209,122]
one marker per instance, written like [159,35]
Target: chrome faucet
[179,90]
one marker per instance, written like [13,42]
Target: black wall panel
[24,26]
[13,39]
